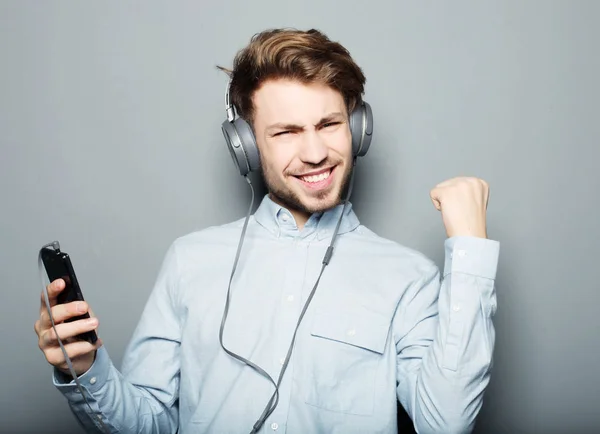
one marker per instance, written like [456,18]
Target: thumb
[433,195]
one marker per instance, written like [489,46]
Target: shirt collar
[280,222]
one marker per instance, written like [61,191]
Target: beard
[289,199]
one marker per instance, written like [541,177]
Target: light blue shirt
[384,325]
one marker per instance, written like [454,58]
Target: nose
[314,149]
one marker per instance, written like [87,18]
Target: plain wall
[110,139]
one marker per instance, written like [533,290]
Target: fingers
[81,352]
[76,349]
[48,338]
[61,313]
[53,289]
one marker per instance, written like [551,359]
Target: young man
[383,325]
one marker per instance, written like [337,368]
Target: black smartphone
[58,266]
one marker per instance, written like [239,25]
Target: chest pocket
[347,352]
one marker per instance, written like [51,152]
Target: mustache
[309,167]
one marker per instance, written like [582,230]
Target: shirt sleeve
[143,396]
[445,338]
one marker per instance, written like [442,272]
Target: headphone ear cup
[248,143]
[361,128]
[241,143]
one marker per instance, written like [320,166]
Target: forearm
[447,384]
[122,407]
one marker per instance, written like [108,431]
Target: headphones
[242,146]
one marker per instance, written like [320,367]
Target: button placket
[290,305]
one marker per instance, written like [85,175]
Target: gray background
[110,135]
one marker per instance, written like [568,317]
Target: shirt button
[456,307]
[282,361]
[290,298]
[285,217]
[274,426]
[93,380]
[462,253]
[351,332]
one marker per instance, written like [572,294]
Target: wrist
[475,234]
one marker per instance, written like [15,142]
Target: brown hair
[307,56]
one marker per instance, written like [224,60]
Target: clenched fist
[463,204]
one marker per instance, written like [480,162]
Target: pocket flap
[368,331]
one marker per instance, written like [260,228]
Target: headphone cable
[274,400]
[98,418]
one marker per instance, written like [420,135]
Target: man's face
[305,143]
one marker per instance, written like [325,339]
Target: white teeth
[316,178]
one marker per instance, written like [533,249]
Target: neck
[301,217]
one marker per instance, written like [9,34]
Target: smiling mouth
[313,179]
[319,180]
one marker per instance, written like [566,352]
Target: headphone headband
[228,107]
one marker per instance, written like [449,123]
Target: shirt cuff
[471,255]
[91,381]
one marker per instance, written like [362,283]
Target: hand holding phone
[71,314]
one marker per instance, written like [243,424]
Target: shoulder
[211,234]
[393,254]
[208,242]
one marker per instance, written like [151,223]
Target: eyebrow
[285,126]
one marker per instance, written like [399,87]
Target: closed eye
[325,125]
